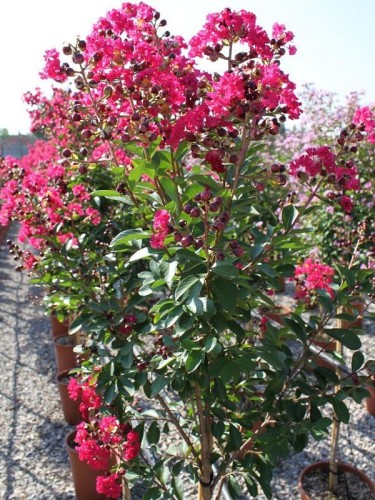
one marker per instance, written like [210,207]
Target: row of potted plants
[161,229]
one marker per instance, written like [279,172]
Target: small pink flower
[52,68]
[346,203]
[132,445]
[161,227]
[109,485]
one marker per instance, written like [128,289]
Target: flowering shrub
[170,296]
[325,123]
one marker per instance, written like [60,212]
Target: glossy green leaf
[182,291]
[289,216]
[158,385]
[128,235]
[194,359]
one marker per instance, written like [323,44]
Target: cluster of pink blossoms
[321,161]
[52,67]
[37,186]
[136,79]
[109,485]
[161,227]
[311,276]
[102,441]
[366,117]
[85,393]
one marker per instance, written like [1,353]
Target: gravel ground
[33,461]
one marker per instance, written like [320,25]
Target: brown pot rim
[324,465]
[69,439]
[62,374]
[64,335]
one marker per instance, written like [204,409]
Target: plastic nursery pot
[370,402]
[84,477]
[65,357]
[59,328]
[70,407]
[323,467]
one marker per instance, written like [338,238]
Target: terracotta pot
[324,466]
[84,478]
[277,314]
[328,346]
[59,328]
[66,359]
[354,309]
[70,407]
[370,402]
[3,233]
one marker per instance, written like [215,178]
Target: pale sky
[335,40]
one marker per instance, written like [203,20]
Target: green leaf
[129,235]
[321,424]
[289,216]
[153,494]
[186,284]
[158,385]
[153,433]
[143,253]
[178,487]
[225,269]
[234,488]
[105,192]
[169,188]
[347,274]
[224,294]
[235,438]
[127,360]
[111,392]
[194,359]
[358,360]
[300,442]
[341,410]
[251,484]
[267,270]
[347,337]
[210,344]
[201,305]
[274,358]
[296,328]
[127,385]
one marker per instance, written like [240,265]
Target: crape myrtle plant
[175,342]
[48,193]
[325,122]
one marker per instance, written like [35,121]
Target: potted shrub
[168,302]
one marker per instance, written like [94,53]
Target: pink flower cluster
[138,71]
[366,117]
[85,392]
[109,485]
[161,227]
[322,161]
[103,442]
[311,276]
[38,186]
[52,68]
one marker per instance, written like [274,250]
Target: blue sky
[335,40]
